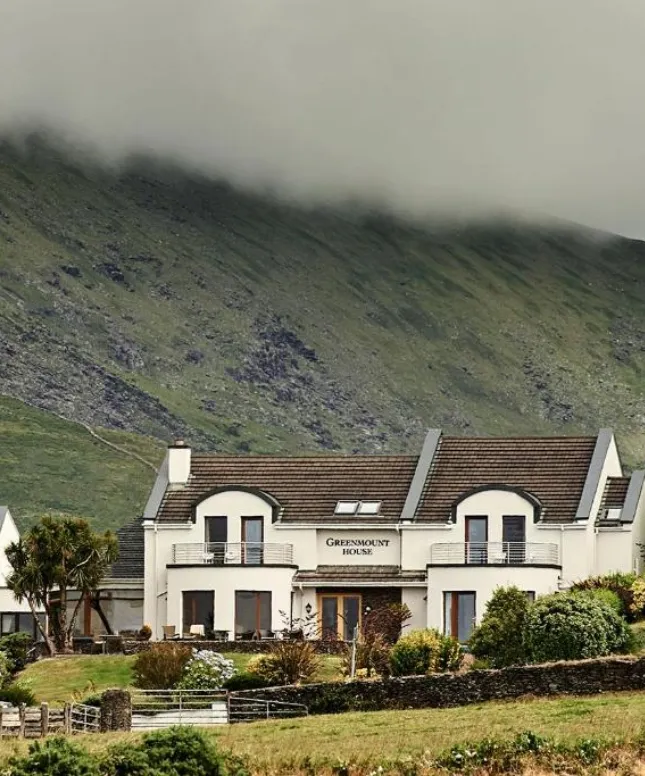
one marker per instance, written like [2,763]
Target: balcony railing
[494,554]
[224,553]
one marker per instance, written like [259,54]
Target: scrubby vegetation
[499,639]
[425,652]
[585,622]
[182,751]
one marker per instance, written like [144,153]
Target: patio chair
[169,632]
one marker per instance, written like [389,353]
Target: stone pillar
[116,710]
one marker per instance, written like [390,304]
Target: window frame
[340,608]
[185,628]
[453,630]
[257,631]
[346,512]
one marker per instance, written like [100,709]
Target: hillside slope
[158,303]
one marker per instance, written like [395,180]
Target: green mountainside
[160,305]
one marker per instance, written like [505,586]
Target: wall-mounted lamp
[308,608]
[368,609]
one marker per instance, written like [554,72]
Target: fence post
[21,720]
[116,711]
[67,718]
[0,723]
[44,719]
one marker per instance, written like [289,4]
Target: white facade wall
[224,582]
[8,604]
[416,600]
[614,550]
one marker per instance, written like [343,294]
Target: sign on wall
[376,548]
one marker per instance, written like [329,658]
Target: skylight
[346,507]
[369,507]
[357,508]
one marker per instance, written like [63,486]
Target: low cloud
[424,106]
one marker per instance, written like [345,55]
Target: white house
[237,545]
[14,617]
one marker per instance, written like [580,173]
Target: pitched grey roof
[130,562]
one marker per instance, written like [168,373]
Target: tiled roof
[359,574]
[553,469]
[615,493]
[131,549]
[307,488]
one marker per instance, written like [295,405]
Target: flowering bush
[425,652]
[571,626]
[637,606]
[206,670]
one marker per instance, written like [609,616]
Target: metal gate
[243,709]
[85,719]
[152,709]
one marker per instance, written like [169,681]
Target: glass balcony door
[476,538]
[514,538]
[252,538]
[216,530]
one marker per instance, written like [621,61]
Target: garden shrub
[425,652]
[637,607]
[619,582]
[17,693]
[245,680]
[176,751]
[387,622]
[54,757]
[570,626]
[372,656]
[126,759]
[611,598]
[499,639]
[162,666]
[16,647]
[182,751]
[289,662]
[206,670]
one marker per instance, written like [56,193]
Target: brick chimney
[178,463]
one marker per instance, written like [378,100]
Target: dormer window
[346,507]
[357,508]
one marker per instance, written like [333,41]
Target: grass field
[61,679]
[372,738]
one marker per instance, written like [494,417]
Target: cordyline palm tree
[58,555]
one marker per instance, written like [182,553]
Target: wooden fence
[35,721]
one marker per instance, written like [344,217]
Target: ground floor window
[20,622]
[458,614]
[252,614]
[340,615]
[198,611]
[530,594]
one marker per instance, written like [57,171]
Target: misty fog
[425,106]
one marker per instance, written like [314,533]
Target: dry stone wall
[586,677]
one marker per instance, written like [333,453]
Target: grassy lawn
[368,738]
[61,679]
[57,680]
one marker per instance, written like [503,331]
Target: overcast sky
[421,105]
